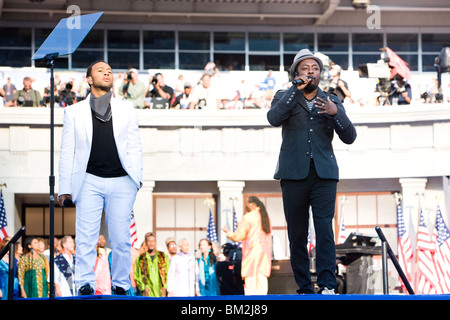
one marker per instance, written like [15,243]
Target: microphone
[68,203]
[299,82]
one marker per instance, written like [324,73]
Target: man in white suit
[100,169]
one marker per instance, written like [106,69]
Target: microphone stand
[50,59]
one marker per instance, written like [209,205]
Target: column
[230,192]
[413,191]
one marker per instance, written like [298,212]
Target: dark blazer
[307,131]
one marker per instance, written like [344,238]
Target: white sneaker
[325,290]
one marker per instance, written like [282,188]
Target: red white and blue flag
[3,222]
[211,233]
[425,262]
[133,230]
[441,235]
[405,253]
[342,234]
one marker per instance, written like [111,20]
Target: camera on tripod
[381,71]
[442,65]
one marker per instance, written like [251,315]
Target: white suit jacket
[76,142]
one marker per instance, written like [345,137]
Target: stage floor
[263,298]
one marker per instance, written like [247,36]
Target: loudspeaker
[281,280]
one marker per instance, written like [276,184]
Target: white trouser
[257,285]
[116,196]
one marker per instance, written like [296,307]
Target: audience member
[134,255]
[400,91]
[161,95]
[338,86]
[65,269]
[181,277]
[179,85]
[203,95]
[171,247]
[151,269]
[27,97]
[182,100]
[255,233]
[133,89]
[228,272]
[33,270]
[9,91]
[269,84]
[43,247]
[56,244]
[47,96]
[4,271]
[102,271]
[259,98]
[67,95]
[207,278]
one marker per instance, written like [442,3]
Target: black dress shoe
[86,290]
[119,291]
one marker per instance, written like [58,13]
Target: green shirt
[135,93]
[151,274]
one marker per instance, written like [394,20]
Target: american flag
[235,225]
[3,223]
[211,233]
[342,233]
[405,253]
[442,254]
[133,230]
[311,242]
[425,262]
[311,232]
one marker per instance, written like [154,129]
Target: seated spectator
[9,90]
[339,86]
[67,95]
[269,83]
[182,100]
[259,98]
[133,89]
[47,96]
[27,97]
[161,94]
[179,85]
[203,95]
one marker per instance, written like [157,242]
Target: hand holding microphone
[302,81]
[68,203]
[65,201]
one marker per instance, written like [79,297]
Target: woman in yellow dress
[33,270]
[256,235]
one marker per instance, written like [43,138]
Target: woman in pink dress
[255,233]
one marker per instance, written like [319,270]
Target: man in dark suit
[307,167]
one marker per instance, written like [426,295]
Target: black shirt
[155,93]
[104,160]
[229,278]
